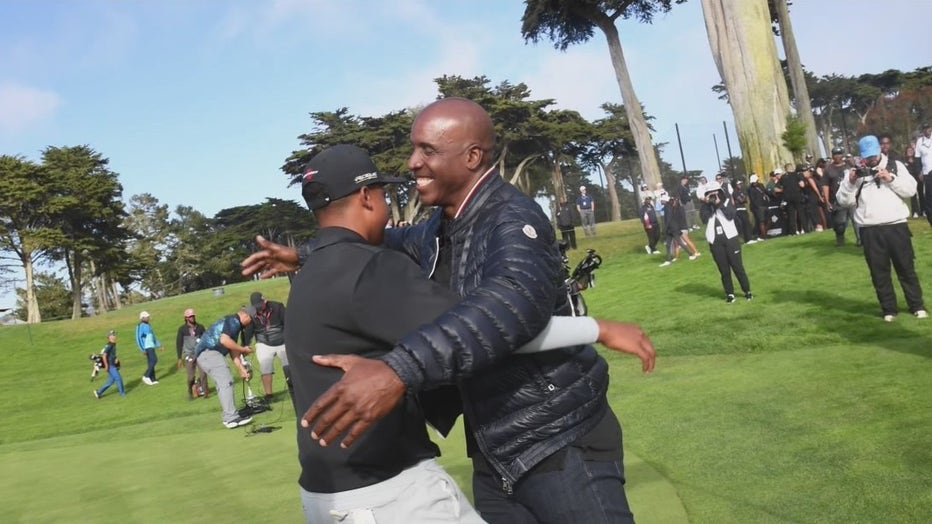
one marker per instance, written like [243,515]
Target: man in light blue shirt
[148,343]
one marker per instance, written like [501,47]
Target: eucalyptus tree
[746,56]
[781,12]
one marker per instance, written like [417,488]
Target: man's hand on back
[368,391]
[271,260]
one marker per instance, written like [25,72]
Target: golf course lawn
[798,406]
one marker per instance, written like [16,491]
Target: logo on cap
[365,177]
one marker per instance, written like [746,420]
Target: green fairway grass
[799,406]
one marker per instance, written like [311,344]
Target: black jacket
[565,218]
[674,219]
[758,196]
[520,408]
[268,327]
[356,299]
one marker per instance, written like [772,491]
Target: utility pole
[680,142]
[728,145]
[718,158]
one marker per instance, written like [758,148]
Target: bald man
[545,444]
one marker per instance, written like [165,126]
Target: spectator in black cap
[268,328]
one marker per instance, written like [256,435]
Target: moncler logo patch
[529,231]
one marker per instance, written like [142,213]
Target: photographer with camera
[718,213]
[875,191]
[218,341]
[186,345]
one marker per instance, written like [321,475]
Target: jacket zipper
[433,266]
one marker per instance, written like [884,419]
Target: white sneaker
[921,314]
[655,252]
[647,248]
[694,257]
[666,263]
[889,318]
[752,241]
[237,422]
[153,382]
[145,380]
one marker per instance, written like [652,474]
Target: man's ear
[366,197]
[474,157]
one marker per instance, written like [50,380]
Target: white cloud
[22,107]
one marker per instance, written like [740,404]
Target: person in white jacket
[875,191]
[924,154]
[718,213]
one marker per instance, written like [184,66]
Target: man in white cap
[586,207]
[148,343]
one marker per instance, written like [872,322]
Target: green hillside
[800,406]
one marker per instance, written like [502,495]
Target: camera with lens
[863,171]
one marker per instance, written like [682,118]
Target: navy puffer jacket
[521,408]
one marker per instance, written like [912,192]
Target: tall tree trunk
[825,130]
[117,301]
[97,286]
[559,190]
[73,263]
[413,207]
[33,315]
[797,77]
[501,161]
[746,55]
[633,109]
[393,206]
[609,171]
[516,178]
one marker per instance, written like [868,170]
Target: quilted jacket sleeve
[511,303]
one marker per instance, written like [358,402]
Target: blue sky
[200,102]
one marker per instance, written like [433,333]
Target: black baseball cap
[338,172]
[838,151]
[256,299]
